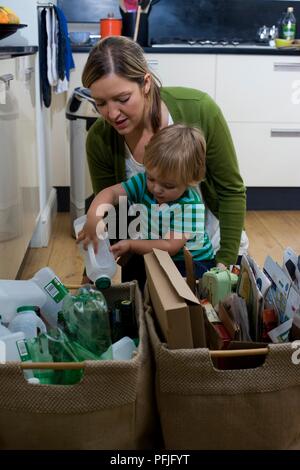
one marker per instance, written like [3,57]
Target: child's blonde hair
[177,151]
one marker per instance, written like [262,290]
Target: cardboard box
[177,309]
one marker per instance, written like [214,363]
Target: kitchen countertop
[7,52]
[251,49]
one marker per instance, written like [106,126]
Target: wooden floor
[269,233]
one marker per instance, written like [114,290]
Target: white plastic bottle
[28,322]
[44,290]
[289,24]
[3,330]
[102,267]
[55,292]
[9,339]
[13,294]
[121,350]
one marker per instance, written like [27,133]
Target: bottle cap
[126,305]
[290,9]
[103,282]
[26,308]
[33,380]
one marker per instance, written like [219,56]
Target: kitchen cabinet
[268,153]
[258,96]
[19,186]
[188,70]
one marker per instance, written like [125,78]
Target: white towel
[54,45]
[49,46]
[62,85]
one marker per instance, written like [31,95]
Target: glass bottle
[288,24]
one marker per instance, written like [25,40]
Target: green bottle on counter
[288,24]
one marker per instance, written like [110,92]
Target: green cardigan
[223,189]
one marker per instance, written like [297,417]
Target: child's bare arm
[103,201]
[172,245]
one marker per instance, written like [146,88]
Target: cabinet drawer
[268,154]
[187,70]
[259,88]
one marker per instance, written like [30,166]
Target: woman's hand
[120,248]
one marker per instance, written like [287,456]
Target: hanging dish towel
[56,58]
[45,85]
[65,60]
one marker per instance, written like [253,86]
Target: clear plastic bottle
[86,320]
[102,267]
[288,24]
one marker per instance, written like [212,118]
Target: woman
[134,106]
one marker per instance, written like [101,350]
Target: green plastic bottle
[86,318]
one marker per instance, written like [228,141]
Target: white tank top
[132,167]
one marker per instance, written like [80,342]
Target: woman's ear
[147,83]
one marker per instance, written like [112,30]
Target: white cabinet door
[260,98]
[19,188]
[187,70]
[259,88]
[268,154]
[27,143]
[11,218]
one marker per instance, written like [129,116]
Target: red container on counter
[110,27]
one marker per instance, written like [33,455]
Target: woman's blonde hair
[125,58]
[177,151]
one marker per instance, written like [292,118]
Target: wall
[216,19]
[88,11]
[26,10]
[208,19]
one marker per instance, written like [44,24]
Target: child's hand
[120,248]
[89,233]
[221,266]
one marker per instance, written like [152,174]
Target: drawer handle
[282,66]
[6,78]
[285,132]
[152,62]
[28,72]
